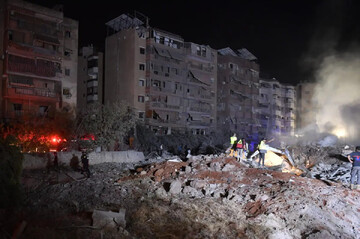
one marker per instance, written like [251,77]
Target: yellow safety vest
[262,145]
[233,139]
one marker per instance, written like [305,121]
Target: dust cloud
[336,97]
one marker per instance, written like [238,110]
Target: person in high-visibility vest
[262,151]
[233,140]
[239,149]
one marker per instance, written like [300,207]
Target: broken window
[66,92]
[67,53]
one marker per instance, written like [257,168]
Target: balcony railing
[36,92]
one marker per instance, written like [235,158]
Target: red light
[55,140]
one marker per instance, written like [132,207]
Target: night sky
[288,37]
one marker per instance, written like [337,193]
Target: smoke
[337,95]
[334,61]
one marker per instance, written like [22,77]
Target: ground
[205,197]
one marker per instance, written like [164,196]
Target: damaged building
[306,115]
[277,108]
[90,76]
[170,83]
[238,92]
[39,53]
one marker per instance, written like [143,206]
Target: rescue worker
[233,140]
[85,164]
[262,147]
[239,149]
[354,158]
[244,149]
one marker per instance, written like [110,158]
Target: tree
[10,172]
[107,123]
[34,133]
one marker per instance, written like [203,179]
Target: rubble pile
[208,196]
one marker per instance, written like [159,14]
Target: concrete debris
[104,219]
[207,196]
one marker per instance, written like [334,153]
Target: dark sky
[288,37]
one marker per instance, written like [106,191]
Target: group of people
[238,147]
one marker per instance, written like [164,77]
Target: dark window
[17,109]
[67,34]
[141,115]
[43,110]
[67,72]
[141,98]
[142,50]
[142,67]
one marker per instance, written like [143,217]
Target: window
[67,34]
[141,82]
[141,115]
[142,67]
[203,51]
[141,98]
[66,91]
[198,50]
[10,35]
[67,72]
[142,50]
[67,53]
[17,109]
[43,110]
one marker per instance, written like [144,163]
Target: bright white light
[340,132]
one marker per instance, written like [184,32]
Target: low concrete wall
[41,161]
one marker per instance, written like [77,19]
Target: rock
[161,193]
[175,187]
[109,219]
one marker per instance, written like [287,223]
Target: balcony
[39,67]
[23,92]
[290,104]
[93,71]
[91,98]
[92,83]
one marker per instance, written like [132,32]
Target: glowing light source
[340,132]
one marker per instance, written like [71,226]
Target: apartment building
[305,113]
[90,77]
[238,93]
[170,84]
[277,108]
[39,60]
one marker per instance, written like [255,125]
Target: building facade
[38,60]
[90,77]
[170,84]
[277,109]
[238,93]
[305,113]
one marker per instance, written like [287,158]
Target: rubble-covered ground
[205,197]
